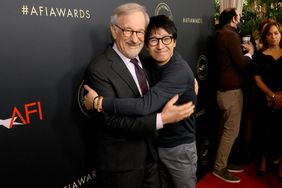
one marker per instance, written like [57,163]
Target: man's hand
[196,85]
[249,47]
[89,97]
[172,113]
[278,100]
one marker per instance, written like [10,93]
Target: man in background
[230,64]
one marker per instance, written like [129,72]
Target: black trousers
[147,177]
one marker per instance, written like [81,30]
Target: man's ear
[114,32]
[234,19]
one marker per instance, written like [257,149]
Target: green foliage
[217,9]
[253,15]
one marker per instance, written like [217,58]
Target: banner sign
[45,46]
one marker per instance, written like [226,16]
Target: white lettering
[89,177]
[74,185]
[81,13]
[94,174]
[75,12]
[52,12]
[46,11]
[81,181]
[33,11]
[69,13]
[41,10]
[87,14]
[61,12]
[192,20]
[55,12]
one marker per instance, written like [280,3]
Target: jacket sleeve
[235,50]
[174,81]
[136,125]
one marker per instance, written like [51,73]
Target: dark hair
[264,23]
[160,21]
[226,16]
[266,31]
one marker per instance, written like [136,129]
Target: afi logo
[29,109]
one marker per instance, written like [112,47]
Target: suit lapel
[120,68]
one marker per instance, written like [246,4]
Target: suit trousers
[178,166]
[147,177]
[230,103]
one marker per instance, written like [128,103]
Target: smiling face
[161,52]
[129,46]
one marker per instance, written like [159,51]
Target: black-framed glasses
[129,32]
[154,41]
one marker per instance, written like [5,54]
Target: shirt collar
[124,59]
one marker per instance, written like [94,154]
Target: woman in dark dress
[268,79]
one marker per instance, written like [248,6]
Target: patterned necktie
[141,76]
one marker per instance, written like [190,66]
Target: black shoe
[226,176]
[234,168]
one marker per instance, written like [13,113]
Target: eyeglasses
[129,32]
[166,40]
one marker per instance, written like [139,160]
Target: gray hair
[128,8]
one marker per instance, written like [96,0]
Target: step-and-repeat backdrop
[45,46]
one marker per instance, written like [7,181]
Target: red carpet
[249,179]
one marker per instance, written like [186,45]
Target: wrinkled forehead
[133,20]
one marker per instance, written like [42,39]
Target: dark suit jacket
[123,143]
[175,77]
